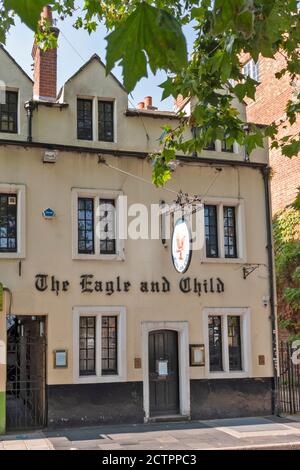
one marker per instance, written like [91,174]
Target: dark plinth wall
[231,398]
[113,403]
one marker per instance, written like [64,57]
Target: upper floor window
[224,232]
[9,112]
[226,148]
[251,69]
[106,121]
[84,119]
[210,146]
[230,232]
[211,231]
[8,223]
[12,220]
[97,220]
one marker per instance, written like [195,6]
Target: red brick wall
[269,105]
[45,73]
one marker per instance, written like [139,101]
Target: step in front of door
[168,418]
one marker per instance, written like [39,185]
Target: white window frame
[95,128]
[97,194]
[244,314]
[20,191]
[253,68]
[239,205]
[99,312]
[236,148]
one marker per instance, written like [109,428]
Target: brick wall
[271,99]
[45,73]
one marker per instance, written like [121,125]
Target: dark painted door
[163,372]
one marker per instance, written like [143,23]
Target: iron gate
[26,382]
[288,381]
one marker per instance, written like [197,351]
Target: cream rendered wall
[49,243]
[48,250]
[13,78]
[141,134]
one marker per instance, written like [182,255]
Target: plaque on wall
[197,355]
[60,359]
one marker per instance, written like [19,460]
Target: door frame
[182,328]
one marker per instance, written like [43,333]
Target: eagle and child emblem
[181,246]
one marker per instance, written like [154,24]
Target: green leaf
[292,149]
[168,88]
[240,90]
[151,34]
[245,22]
[29,11]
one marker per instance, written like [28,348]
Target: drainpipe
[29,107]
[266,178]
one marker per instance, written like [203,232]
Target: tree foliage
[287,261]
[149,33]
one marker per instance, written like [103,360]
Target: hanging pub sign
[181,246]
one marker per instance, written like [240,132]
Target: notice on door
[162,368]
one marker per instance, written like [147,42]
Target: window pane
[234,343]
[211,231]
[87,348]
[107,227]
[8,223]
[226,147]
[9,112]
[109,345]
[85,225]
[215,343]
[230,247]
[84,119]
[106,121]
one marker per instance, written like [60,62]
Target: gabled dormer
[15,89]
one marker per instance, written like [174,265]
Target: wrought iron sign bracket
[248,269]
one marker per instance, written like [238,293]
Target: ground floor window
[227,340]
[99,344]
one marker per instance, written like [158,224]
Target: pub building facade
[103,329]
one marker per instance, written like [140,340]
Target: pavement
[223,434]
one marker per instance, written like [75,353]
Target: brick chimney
[45,64]
[148,103]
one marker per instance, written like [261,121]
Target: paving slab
[248,433]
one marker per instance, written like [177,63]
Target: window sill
[98,257]
[12,256]
[224,260]
[227,375]
[94,379]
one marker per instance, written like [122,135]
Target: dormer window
[106,121]
[9,112]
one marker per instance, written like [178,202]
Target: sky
[75,48]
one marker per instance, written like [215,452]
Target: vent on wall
[12,200]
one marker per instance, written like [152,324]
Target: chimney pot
[148,101]
[47,14]
[141,105]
